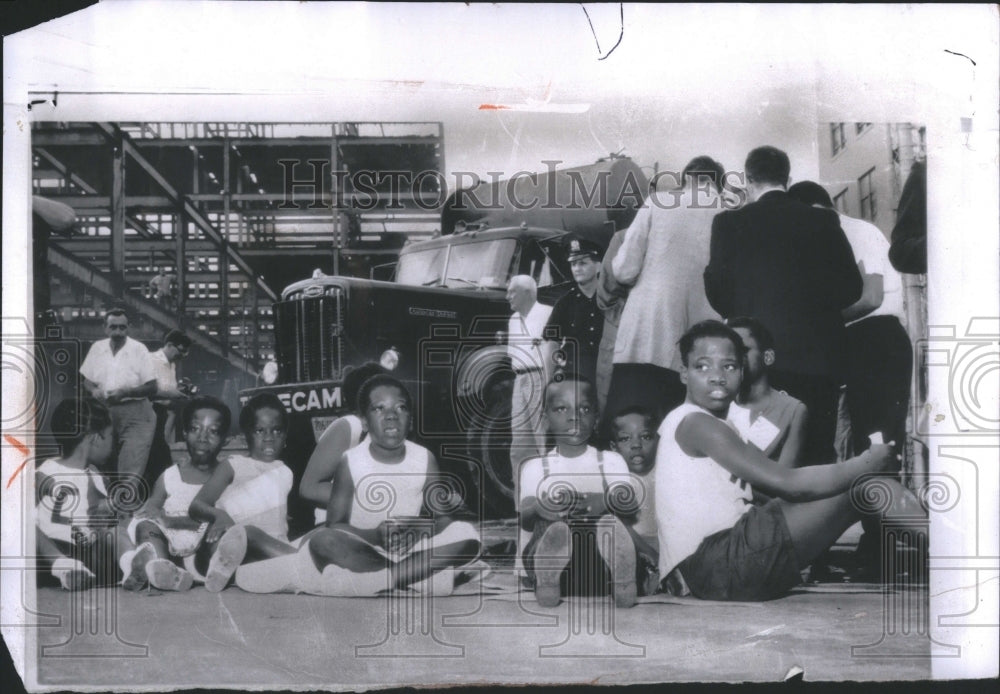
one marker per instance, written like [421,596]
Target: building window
[840,201]
[837,140]
[861,127]
[866,191]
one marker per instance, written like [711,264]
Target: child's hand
[882,458]
[219,526]
[586,505]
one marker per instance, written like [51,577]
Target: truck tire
[489,443]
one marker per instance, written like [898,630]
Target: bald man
[527,357]
[524,346]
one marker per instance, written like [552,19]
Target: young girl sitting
[341,435]
[713,542]
[246,499]
[389,520]
[163,522]
[77,528]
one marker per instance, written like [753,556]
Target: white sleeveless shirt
[695,497]
[383,490]
[357,433]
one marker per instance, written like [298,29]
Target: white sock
[125,561]
[63,565]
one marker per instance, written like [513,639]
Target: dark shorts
[753,560]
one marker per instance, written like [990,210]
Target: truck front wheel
[489,442]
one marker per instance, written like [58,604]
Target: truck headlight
[389,359]
[269,374]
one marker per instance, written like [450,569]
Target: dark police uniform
[576,320]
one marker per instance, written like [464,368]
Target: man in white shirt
[880,355]
[524,346]
[118,372]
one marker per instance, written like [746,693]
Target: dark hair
[178,338]
[383,379]
[207,402]
[115,312]
[353,380]
[644,412]
[73,419]
[763,336]
[261,401]
[706,167]
[810,193]
[709,328]
[569,377]
[767,165]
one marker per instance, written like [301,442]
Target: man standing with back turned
[790,266]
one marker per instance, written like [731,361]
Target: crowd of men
[825,285]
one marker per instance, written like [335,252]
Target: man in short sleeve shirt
[118,371]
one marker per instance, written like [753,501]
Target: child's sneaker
[133,564]
[228,556]
[72,574]
[551,555]
[163,574]
[618,551]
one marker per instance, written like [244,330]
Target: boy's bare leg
[345,549]
[816,525]
[147,531]
[260,545]
[422,565]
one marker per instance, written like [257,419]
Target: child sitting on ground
[246,499]
[576,490]
[389,520]
[714,543]
[77,528]
[340,436]
[634,437]
[162,529]
[770,419]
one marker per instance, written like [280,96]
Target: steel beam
[195,215]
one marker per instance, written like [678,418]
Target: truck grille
[310,339]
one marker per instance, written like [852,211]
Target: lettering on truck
[314,399]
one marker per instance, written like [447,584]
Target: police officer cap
[577,248]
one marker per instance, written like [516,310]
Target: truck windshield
[483,264]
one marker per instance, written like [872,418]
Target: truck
[439,323]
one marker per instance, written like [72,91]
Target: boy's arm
[203,507]
[796,439]
[317,480]
[702,435]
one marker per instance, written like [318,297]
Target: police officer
[577,322]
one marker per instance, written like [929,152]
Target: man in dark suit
[790,266]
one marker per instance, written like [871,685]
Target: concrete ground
[233,638]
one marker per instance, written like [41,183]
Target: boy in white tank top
[343,434]
[713,542]
[389,521]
